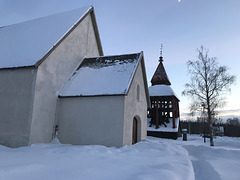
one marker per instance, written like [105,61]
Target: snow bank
[152,159]
[145,160]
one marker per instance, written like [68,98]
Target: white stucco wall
[134,107]
[104,120]
[16,94]
[91,120]
[54,72]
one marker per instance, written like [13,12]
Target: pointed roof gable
[27,43]
[160,75]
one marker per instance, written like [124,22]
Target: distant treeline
[219,129]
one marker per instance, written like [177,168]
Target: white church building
[54,76]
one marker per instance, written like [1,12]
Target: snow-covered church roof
[104,75]
[26,43]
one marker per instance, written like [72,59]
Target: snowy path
[202,168]
[152,159]
[215,163]
[220,162]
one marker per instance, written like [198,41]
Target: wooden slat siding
[157,114]
[169,135]
[173,112]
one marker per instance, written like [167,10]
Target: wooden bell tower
[164,102]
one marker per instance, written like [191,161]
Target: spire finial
[161,58]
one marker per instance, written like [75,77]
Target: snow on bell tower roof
[161,90]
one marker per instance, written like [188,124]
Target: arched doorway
[134,131]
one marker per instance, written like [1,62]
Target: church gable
[26,44]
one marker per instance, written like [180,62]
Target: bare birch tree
[209,83]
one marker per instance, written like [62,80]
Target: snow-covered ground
[152,159]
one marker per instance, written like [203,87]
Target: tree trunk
[210,120]
[211,134]
[210,126]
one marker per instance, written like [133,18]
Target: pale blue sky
[128,26]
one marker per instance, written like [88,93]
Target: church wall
[16,105]
[91,120]
[54,72]
[135,107]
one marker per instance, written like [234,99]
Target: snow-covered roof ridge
[103,75]
[25,44]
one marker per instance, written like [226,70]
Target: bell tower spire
[160,75]
[161,51]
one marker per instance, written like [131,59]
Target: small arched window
[138,92]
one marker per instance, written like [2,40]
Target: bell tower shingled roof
[160,75]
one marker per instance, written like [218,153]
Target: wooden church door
[134,131]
